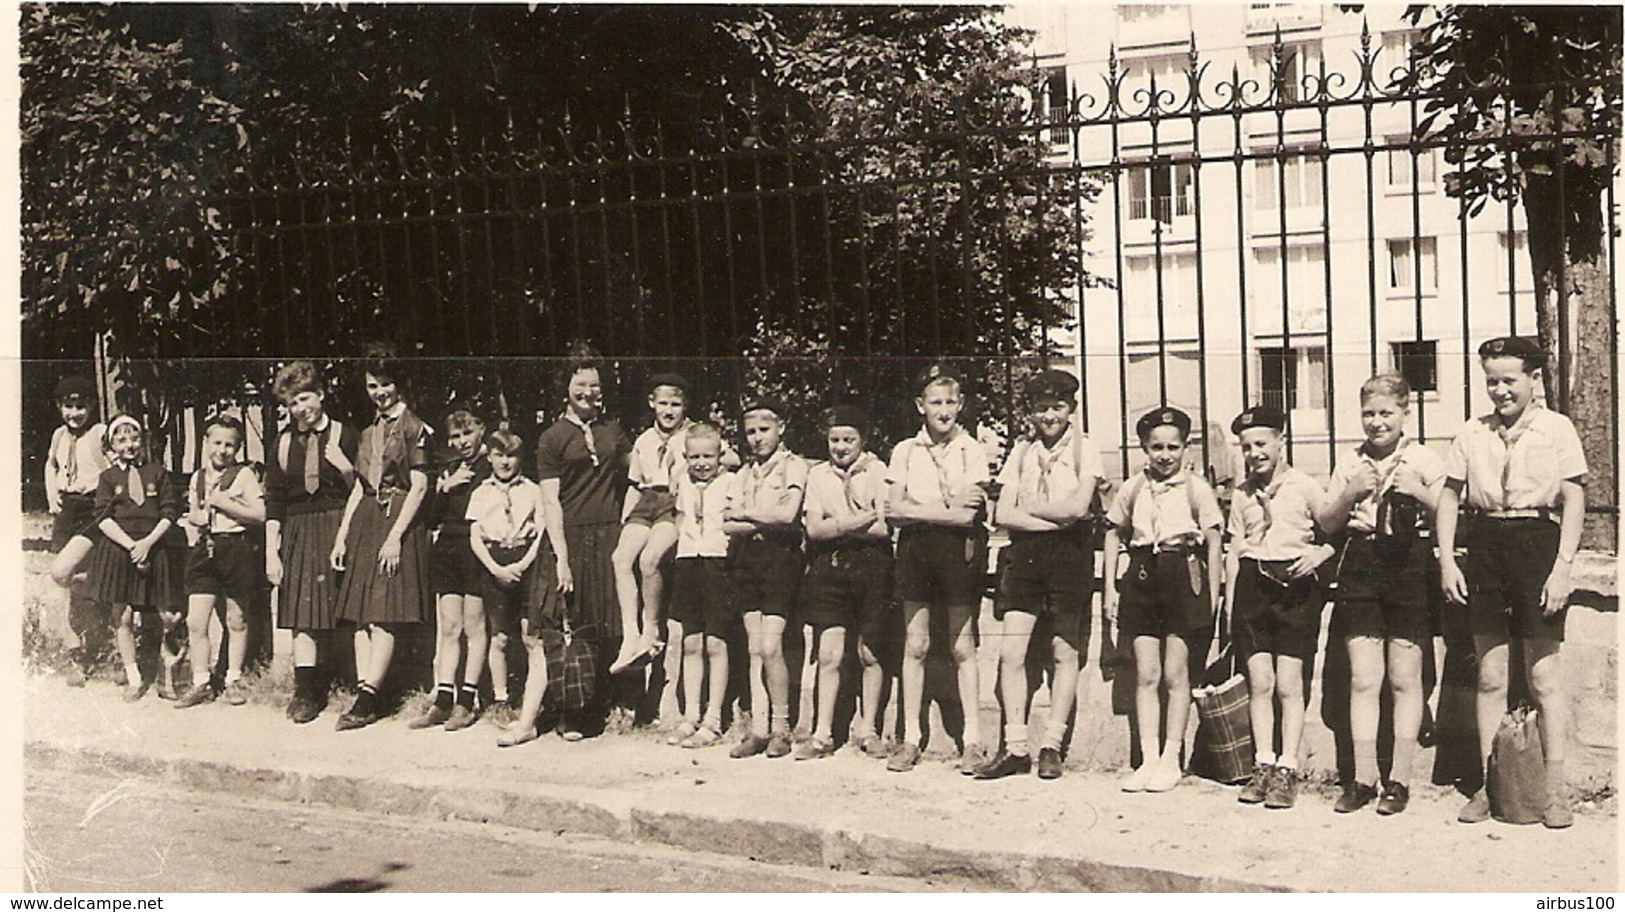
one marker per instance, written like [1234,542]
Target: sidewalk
[846,812]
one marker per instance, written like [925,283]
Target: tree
[1529,106]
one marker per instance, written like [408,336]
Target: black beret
[848,416]
[767,404]
[1051,384]
[75,387]
[1513,347]
[1164,416]
[932,374]
[668,379]
[1259,416]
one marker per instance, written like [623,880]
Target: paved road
[101,833]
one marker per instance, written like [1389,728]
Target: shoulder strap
[1130,491]
[1190,499]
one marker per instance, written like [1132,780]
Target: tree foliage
[1528,103]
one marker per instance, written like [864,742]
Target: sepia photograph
[726,449]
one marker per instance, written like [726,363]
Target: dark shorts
[77,517]
[700,596]
[453,568]
[505,605]
[1275,618]
[1383,588]
[655,505]
[848,586]
[236,570]
[766,574]
[941,565]
[1049,574]
[1508,561]
[1157,597]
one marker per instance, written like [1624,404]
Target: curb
[594,812]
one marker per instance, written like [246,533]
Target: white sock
[200,677]
[133,672]
[1264,757]
[1288,762]
[232,677]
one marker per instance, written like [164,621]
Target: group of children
[361,531]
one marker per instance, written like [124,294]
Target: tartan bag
[572,666]
[1223,750]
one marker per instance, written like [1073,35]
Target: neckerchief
[586,430]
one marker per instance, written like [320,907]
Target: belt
[1172,548]
[87,495]
[1536,513]
[655,489]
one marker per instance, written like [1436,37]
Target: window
[1178,283]
[1178,361]
[1298,59]
[1418,363]
[1302,176]
[1160,191]
[1396,51]
[1294,379]
[1518,275]
[1399,166]
[1305,284]
[1402,268]
[1169,69]
[1056,104]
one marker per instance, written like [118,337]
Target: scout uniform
[1050,573]
[1512,478]
[137,497]
[766,565]
[940,565]
[306,486]
[1385,571]
[226,561]
[1272,525]
[73,465]
[1164,591]
[453,568]
[848,580]
[390,448]
[507,516]
[700,593]
[657,463]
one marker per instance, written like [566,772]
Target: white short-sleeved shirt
[699,515]
[843,494]
[931,473]
[1162,513]
[1276,521]
[245,487]
[83,452]
[1427,464]
[1035,475]
[1522,468]
[657,458]
[764,484]
[507,512]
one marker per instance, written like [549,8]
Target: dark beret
[1513,347]
[1259,416]
[848,416]
[1164,416]
[767,404]
[668,379]
[1051,384]
[932,374]
[75,387]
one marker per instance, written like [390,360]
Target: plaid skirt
[309,596]
[366,596]
[111,578]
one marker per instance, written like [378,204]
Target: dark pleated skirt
[110,577]
[309,596]
[367,596]
[591,601]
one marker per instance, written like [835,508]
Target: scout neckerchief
[387,422]
[942,477]
[1509,437]
[1385,481]
[665,456]
[506,487]
[1048,456]
[851,474]
[1263,496]
[133,487]
[1161,486]
[70,472]
[586,430]
[315,451]
[756,474]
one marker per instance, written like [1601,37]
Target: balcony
[1267,17]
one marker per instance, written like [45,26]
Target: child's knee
[1492,676]
[1365,680]
[770,648]
[625,556]
[1175,677]
[866,655]
[693,645]
[235,621]
[649,562]
[916,647]
[1148,674]
[965,650]
[1545,683]
[1289,686]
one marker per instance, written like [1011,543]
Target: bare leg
[661,539]
[1492,690]
[693,671]
[775,673]
[1015,635]
[1261,704]
[716,656]
[625,561]
[124,639]
[831,650]
[1176,680]
[496,659]
[1546,687]
[1063,691]
[675,663]
[1405,682]
[479,640]
[1365,689]
[379,655]
[236,640]
[1289,688]
[199,612]
[535,689]
[963,637]
[916,643]
[1147,703]
[758,685]
[874,681]
[448,642]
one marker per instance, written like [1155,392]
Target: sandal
[704,736]
[682,732]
